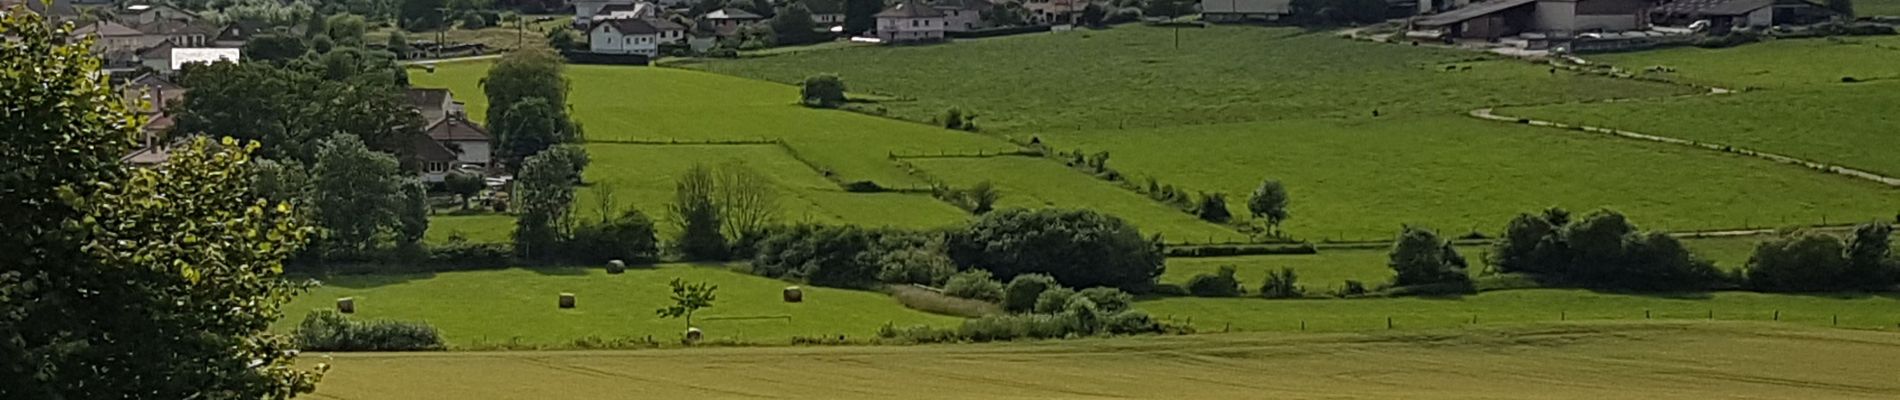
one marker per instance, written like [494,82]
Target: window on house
[437,166]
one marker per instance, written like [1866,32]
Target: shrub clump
[1602,249]
[1079,248]
[628,238]
[822,90]
[1022,292]
[974,284]
[1803,261]
[326,330]
[1282,284]
[1219,284]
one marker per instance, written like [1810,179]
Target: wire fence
[1345,322]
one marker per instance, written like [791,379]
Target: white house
[633,36]
[182,56]
[826,13]
[584,10]
[910,21]
[470,143]
[1245,10]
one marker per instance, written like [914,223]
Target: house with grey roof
[727,21]
[641,36]
[826,13]
[1245,10]
[910,21]
[1497,19]
[962,15]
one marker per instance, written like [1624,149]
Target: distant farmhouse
[727,21]
[641,36]
[910,21]
[451,142]
[1245,10]
[1607,19]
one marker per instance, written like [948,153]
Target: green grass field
[1774,64]
[1036,183]
[1580,361]
[1877,7]
[493,307]
[641,103]
[485,228]
[642,176]
[1805,112]
[1182,116]
[1360,179]
[1133,76]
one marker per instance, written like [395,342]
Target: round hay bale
[616,267]
[693,335]
[567,300]
[794,295]
[346,305]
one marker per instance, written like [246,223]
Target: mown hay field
[1583,361]
[1521,306]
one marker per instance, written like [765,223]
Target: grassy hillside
[1805,110]
[642,176]
[1847,125]
[1361,179]
[1134,76]
[640,103]
[1544,361]
[1235,105]
[472,308]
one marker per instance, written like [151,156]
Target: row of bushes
[1602,249]
[1076,247]
[1079,319]
[326,330]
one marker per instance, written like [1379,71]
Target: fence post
[1711,314]
[1563,315]
[1388,323]
[1474,319]
[1837,320]
[1228,328]
[1777,315]
[1645,314]
[1302,325]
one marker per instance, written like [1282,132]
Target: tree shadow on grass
[559,270]
[364,281]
